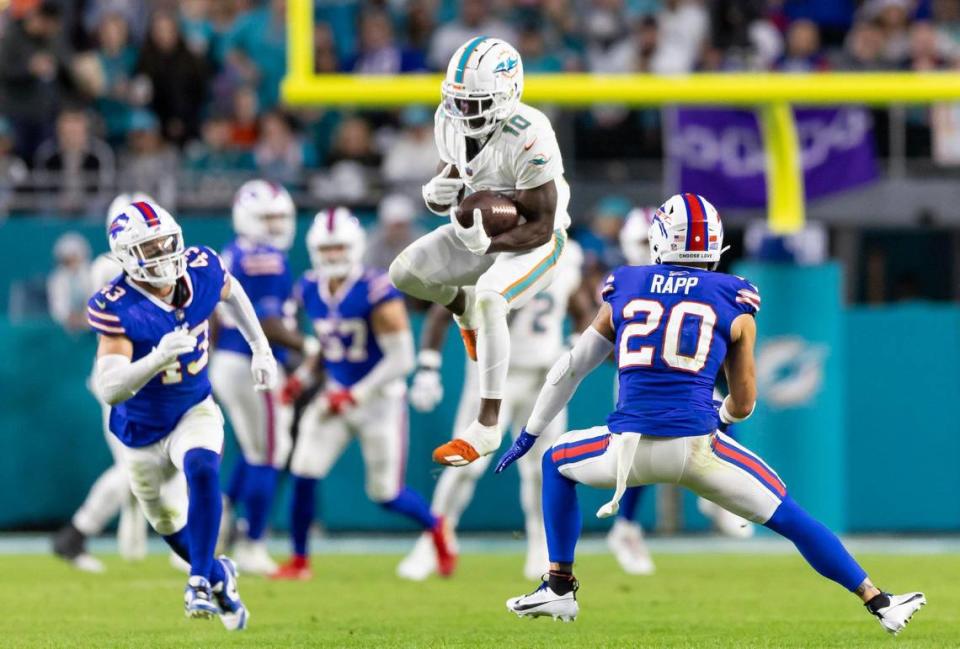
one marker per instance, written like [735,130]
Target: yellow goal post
[770,94]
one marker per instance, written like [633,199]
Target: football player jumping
[487,140]
[673,325]
[153,326]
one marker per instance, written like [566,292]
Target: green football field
[355,601]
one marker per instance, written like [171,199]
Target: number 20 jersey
[121,308]
[673,328]
[342,321]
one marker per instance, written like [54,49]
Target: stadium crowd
[100,96]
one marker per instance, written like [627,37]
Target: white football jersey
[522,153]
[103,269]
[536,329]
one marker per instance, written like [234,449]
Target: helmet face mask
[263,212]
[483,86]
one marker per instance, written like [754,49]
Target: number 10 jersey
[673,328]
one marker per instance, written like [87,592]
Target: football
[499,212]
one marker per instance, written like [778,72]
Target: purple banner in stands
[719,153]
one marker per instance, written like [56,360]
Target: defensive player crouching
[675,324]
[151,369]
[264,221]
[487,140]
[367,351]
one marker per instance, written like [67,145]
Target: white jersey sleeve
[444,134]
[103,269]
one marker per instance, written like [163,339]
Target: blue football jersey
[122,308]
[673,327]
[342,321]
[264,273]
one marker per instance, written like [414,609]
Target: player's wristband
[429,359]
[727,418]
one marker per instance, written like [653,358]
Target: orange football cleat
[296,569]
[446,556]
[470,342]
[456,452]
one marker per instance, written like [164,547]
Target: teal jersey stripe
[541,268]
[467,51]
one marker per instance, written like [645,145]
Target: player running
[264,222]
[367,351]
[153,326]
[487,140]
[673,325]
[536,331]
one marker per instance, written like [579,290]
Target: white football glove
[174,344]
[475,238]
[426,391]
[441,190]
[263,366]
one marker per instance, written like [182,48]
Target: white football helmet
[148,243]
[686,229]
[483,85]
[633,236]
[336,242]
[122,201]
[264,213]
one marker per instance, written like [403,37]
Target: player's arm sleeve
[439,136]
[396,342]
[538,160]
[565,376]
[118,379]
[238,306]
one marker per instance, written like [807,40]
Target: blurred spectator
[419,24]
[601,241]
[395,230]
[893,18]
[682,26]
[149,164]
[803,49]
[198,31]
[946,15]
[69,285]
[257,48]
[215,152]
[353,166]
[325,59]
[413,156]
[533,51]
[117,62]
[136,14]
[609,48]
[280,153]
[808,247]
[864,48]
[74,164]
[32,75]
[476,18]
[178,78]
[379,51]
[13,170]
[925,54]
[245,125]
